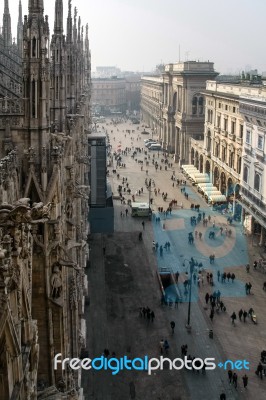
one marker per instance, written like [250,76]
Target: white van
[155,146]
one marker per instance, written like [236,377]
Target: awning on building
[217,198]
[212,192]
[203,186]
[200,178]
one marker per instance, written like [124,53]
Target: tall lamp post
[149,189]
[191,268]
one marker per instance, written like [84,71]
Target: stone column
[177,144]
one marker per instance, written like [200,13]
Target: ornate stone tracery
[43,203]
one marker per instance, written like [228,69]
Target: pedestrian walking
[259,370]
[245,381]
[218,275]
[184,350]
[211,314]
[233,317]
[161,345]
[172,324]
[166,346]
[240,313]
[152,316]
[207,296]
[222,396]
[143,225]
[245,314]
[235,380]
[230,375]
[246,287]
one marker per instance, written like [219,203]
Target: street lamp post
[191,267]
[149,189]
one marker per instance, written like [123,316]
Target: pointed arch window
[57,88]
[34,47]
[33,98]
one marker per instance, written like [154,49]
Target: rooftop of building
[190,66]
[111,78]
[236,90]
[152,78]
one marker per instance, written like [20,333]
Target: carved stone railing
[10,106]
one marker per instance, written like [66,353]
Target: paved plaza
[125,278]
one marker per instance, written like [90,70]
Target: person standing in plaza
[172,324]
[235,380]
[233,318]
[245,381]
[161,345]
[230,375]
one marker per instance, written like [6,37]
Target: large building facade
[112,95]
[233,148]
[253,187]
[220,152]
[44,195]
[109,95]
[180,104]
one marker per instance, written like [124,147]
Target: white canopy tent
[212,193]
[203,186]
[192,169]
[200,175]
[199,178]
[202,179]
[188,166]
[217,198]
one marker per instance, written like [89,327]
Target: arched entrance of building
[230,187]
[192,159]
[201,163]
[207,167]
[223,183]
[196,160]
[216,177]
[209,141]
[237,188]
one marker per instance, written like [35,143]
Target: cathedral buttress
[36,76]
[58,72]
[7,35]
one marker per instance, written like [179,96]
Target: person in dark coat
[245,381]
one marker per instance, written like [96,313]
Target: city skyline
[139,35]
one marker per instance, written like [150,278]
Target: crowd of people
[214,299]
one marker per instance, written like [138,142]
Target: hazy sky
[138,34]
